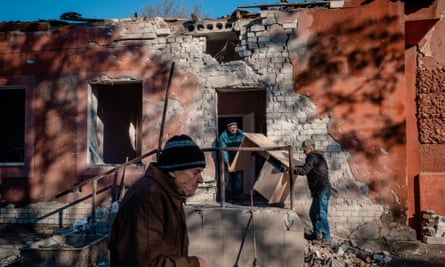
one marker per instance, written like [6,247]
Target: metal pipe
[221,184]
[122,183]
[102,175]
[167,93]
[291,178]
[93,208]
[273,148]
[75,202]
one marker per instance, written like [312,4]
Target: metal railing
[93,180]
[219,178]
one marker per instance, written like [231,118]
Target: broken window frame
[95,145]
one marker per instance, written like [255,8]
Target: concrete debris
[371,244]
[433,228]
[81,225]
[9,255]
[343,255]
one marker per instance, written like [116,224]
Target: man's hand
[229,167]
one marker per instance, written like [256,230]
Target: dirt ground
[426,255]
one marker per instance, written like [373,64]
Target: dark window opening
[114,122]
[222,45]
[12,119]
[248,107]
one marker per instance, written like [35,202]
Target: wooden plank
[271,183]
[242,158]
[260,140]
[267,181]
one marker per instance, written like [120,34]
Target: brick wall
[52,214]
[290,117]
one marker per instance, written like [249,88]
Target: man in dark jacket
[316,170]
[150,227]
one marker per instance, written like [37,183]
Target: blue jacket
[228,140]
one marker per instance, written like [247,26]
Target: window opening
[221,46]
[114,122]
[12,117]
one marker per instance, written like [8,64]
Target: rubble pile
[343,255]
[374,243]
[9,256]
[433,228]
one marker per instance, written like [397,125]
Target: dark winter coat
[316,169]
[150,227]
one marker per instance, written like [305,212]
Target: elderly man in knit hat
[316,169]
[150,227]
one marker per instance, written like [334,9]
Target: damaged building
[364,79]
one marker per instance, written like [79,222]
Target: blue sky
[32,10]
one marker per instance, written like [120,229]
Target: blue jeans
[319,214]
[234,185]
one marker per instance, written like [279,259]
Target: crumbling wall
[430,116]
[337,80]
[272,44]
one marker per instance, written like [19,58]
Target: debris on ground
[433,228]
[379,243]
[343,255]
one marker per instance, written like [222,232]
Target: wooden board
[271,183]
[242,158]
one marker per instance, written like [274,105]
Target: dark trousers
[234,185]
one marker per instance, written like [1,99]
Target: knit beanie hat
[231,122]
[179,153]
[307,143]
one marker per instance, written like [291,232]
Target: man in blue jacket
[232,137]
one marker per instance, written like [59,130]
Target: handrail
[102,175]
[94,193]
[94,179]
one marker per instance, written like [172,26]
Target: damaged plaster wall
[265,49]
[274,49]
[268,44]
[430,115]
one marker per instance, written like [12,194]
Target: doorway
[248,108]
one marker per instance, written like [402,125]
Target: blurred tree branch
[174,9]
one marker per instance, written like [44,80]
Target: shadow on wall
[61,63]
[352,68]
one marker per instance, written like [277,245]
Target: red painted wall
[430,109]
[360,65]
[353,70]
[55,66]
